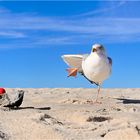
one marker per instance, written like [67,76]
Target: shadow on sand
[30,107]
[129,101]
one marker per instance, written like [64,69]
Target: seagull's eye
[101,48]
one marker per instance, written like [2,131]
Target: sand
[67,114]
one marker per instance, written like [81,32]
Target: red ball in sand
[2,91]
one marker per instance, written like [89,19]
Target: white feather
[74,61]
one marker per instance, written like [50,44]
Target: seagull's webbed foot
[93,102]
[72,72]
[97,102]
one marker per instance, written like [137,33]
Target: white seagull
[95,67]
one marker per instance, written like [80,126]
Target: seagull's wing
[110,63]
[74,61]
[110,60]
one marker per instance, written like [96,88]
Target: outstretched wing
[74,61]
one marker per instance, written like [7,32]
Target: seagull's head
[98,48]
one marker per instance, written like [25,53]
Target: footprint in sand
[98,119]
[47,119]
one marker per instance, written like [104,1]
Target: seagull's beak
[94,50]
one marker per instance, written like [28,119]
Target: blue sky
[34,35]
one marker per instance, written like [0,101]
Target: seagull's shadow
[129,101]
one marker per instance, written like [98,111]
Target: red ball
[2,91]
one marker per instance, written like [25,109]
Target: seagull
[95,67]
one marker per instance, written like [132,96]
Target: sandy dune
[66,114]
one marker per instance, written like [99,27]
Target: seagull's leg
[98,92]
[96,101]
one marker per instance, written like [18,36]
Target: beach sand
[66,114]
